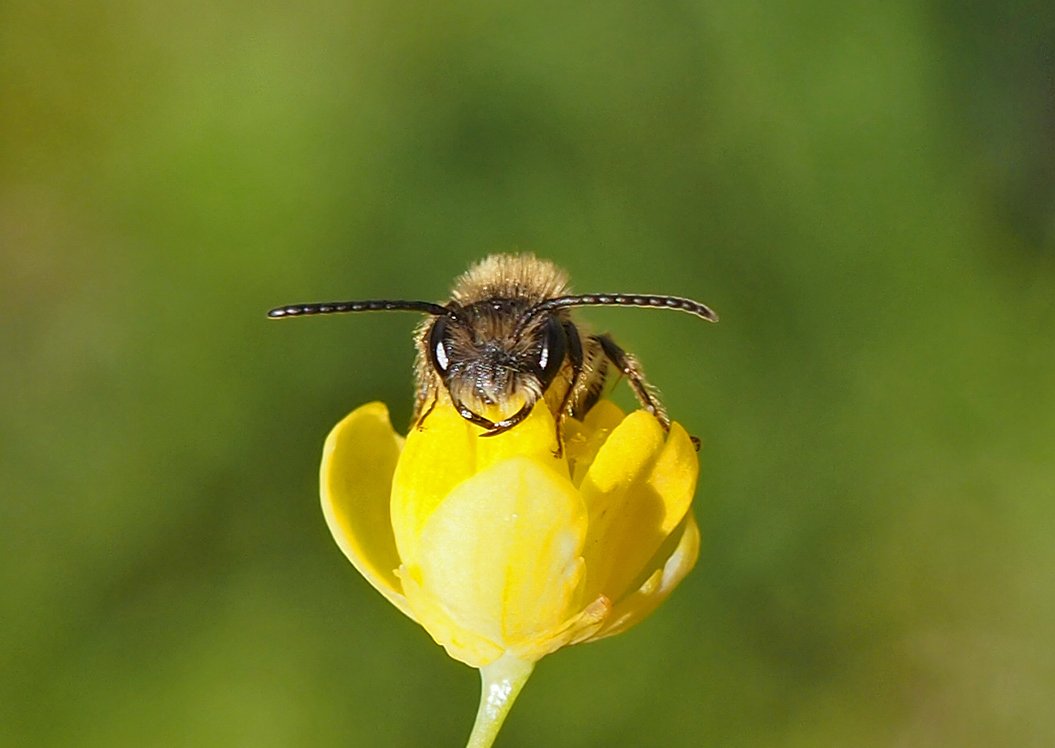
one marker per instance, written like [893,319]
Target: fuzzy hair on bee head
[510,276]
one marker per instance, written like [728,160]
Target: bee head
[495,352]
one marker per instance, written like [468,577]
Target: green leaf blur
[866,193]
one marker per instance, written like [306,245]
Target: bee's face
[491,353]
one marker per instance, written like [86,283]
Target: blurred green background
[866,192]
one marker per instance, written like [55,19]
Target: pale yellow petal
[435,459]
[672,564]
[461,643]
[638,490]
[501,558]
[358,460]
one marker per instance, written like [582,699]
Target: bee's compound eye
[554,348]
[442,362]
[438,354]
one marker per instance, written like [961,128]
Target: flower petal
[672,563]
[499,564]
[355,479]
[449,450]
[638,490]
[582,440]
[534,438]
[436,457]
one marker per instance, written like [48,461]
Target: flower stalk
[500,684]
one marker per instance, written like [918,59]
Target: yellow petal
[674,475]
[534,438]
[435,459]
[638,490]
[583,440]
[675,559]
[499,564]
[355,480]
[449,450]
[461,643]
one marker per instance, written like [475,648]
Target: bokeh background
[866,192]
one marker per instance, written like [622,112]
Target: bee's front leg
[646,394]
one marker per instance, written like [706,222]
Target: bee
[506,340]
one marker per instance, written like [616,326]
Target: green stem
[501,682]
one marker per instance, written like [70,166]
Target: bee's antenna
[605,299]
[343,307]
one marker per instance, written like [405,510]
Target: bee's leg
[426,383]
[591,383]
[592,387]
[575,357]
[504,425]
[478,420]
[419,421]
[646,394]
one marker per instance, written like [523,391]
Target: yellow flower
[502,551]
